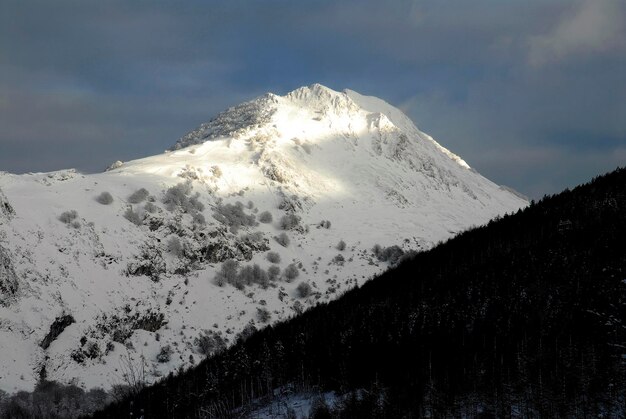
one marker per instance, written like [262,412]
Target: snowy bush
[260,276]
[341,246]
[265,217]
[303,290]
[250,205]
[234,216]
[291,272]
[273,257]
[282,239]
[68,216]
[104,198]
[289,221]
[164,354]
[391,254]
[138,196]
[133,217]
[273,272]
[178,196]
[240,278]
[263,315]
[339,259]
[230,273]
[245,277]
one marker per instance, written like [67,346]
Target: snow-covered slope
[98,276]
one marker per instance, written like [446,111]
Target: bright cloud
[594,26]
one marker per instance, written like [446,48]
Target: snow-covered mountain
[271,207]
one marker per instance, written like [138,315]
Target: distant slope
[136,255]
[523,317]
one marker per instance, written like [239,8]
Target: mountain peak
[316,90]
[114,250]
[318,112]
[258,112]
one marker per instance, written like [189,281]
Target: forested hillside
[525,316]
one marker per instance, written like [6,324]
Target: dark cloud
[532,94]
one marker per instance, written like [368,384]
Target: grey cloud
[84,83]
[593,26]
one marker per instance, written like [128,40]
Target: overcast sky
[530,93]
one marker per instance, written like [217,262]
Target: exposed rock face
[56,328]
[8,278]
[231,122]
[6,209]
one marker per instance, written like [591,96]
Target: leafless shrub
[104,198]
[263,315]
[227,273]
[164,354]
[150,207]
[133,216]
[178,196]
[282,239]
[391,254]
[265,217]
[303,290]
[68,216]
[291,272]
[138,196]
[273,257]
[289,221]
[234,216]
[324,224]
[273,272]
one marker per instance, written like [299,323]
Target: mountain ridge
[316,97]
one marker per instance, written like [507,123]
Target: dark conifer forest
[525,316]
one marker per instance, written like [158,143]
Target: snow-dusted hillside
[101,273]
